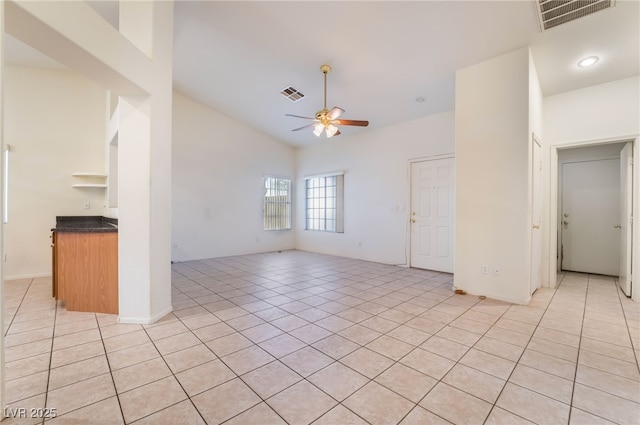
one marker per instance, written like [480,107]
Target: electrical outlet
[497,270]
[485,269]
[86,205]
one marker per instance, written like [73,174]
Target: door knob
[617,226]
[566,215]
[536,226]
[565,222]
[413,220]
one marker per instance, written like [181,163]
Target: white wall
[217,190]
[598,112]
[492,190]
[376,186]
[54,122]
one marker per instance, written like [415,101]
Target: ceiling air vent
[552,13]
[292,94]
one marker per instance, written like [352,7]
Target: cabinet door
[87,265]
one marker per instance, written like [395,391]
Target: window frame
[322,209]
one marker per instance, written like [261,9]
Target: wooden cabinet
[85,270]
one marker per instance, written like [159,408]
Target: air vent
[552,13]
[292,94]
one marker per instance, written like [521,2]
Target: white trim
[535,141]
[276,176]
[27,276]
[331,174]
[145,320]
[5,184]
[431,158]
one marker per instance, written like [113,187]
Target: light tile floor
[299,338]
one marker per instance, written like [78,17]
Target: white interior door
[536,214]
[590,212]
[432,214]
[626,217]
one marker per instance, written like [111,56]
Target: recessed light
[589,61]
[420,99]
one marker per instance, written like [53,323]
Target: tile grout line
[575,372]
[110,370]
[13,318]
[626,322]
[172,374]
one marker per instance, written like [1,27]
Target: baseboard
[27,276]
[145,320]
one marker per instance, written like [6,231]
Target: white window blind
[277,203]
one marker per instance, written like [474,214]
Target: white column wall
[492,191]
[144,172]
[134,230]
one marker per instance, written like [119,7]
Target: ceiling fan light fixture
[331,130]
[327,119]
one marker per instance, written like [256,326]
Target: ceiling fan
[327,120]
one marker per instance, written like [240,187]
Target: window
[324,203]
[277,204]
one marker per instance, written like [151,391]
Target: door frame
[554,205]
[408,211]
[535,141]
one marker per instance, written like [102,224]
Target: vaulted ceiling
[236,56]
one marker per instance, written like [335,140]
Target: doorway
[594,151]
[432,214]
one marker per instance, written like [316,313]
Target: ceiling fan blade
[358,123]
[334,113]
[299,116]
[303,127]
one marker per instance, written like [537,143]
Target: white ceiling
[236,56]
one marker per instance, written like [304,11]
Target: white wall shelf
[98,185]
[89,175]
[87,180]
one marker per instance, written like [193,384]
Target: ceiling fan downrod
[325,70]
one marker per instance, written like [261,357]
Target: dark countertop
[92,224]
